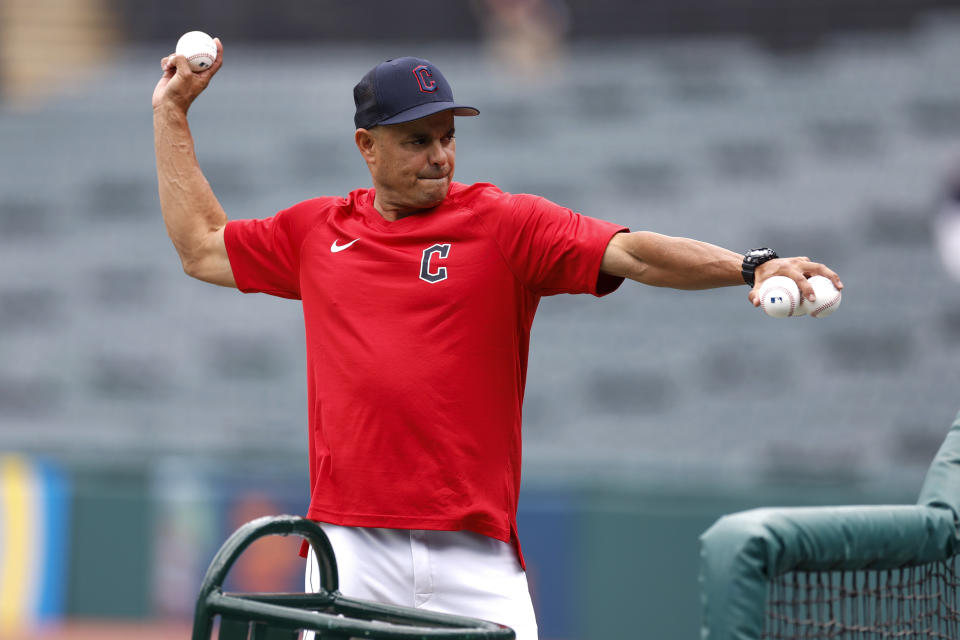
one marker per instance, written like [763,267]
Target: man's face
[413,162]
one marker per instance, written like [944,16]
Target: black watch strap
[753,259]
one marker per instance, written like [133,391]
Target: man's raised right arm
[194,218]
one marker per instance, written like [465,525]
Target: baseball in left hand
[827,298]
[800,269]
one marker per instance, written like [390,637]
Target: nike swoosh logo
[340,247]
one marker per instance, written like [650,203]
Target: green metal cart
[331,615]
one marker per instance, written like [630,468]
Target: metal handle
[273,526]
[243,538]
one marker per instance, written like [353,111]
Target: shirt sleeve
[551,248]
[265,254]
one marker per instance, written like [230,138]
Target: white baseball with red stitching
[828,298]
[780,297]
[198,48]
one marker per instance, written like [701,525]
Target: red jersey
[417,334]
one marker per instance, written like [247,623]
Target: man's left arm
[681,263]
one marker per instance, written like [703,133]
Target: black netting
[910,602]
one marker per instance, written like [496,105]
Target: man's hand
[798,270]
[180,86]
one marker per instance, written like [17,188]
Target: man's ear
[366,143]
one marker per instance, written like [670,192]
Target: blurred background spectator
[946,227]
[525,37]
[44,45]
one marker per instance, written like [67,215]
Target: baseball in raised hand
[180,85]
[198,48]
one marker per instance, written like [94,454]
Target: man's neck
[390,211]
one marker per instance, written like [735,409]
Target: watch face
[756,254]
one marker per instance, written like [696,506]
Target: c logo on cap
[425,79]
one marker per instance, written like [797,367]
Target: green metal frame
[281,616]
[741,553]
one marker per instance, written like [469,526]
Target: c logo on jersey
[426,273]
[425,79]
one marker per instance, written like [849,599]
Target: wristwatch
[753,259]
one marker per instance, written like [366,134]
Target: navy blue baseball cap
[402,90]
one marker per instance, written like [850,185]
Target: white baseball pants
[457,572]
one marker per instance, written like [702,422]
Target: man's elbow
[195,265]
[209,270]
[190,267]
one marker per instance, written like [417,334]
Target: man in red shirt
[418,296]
